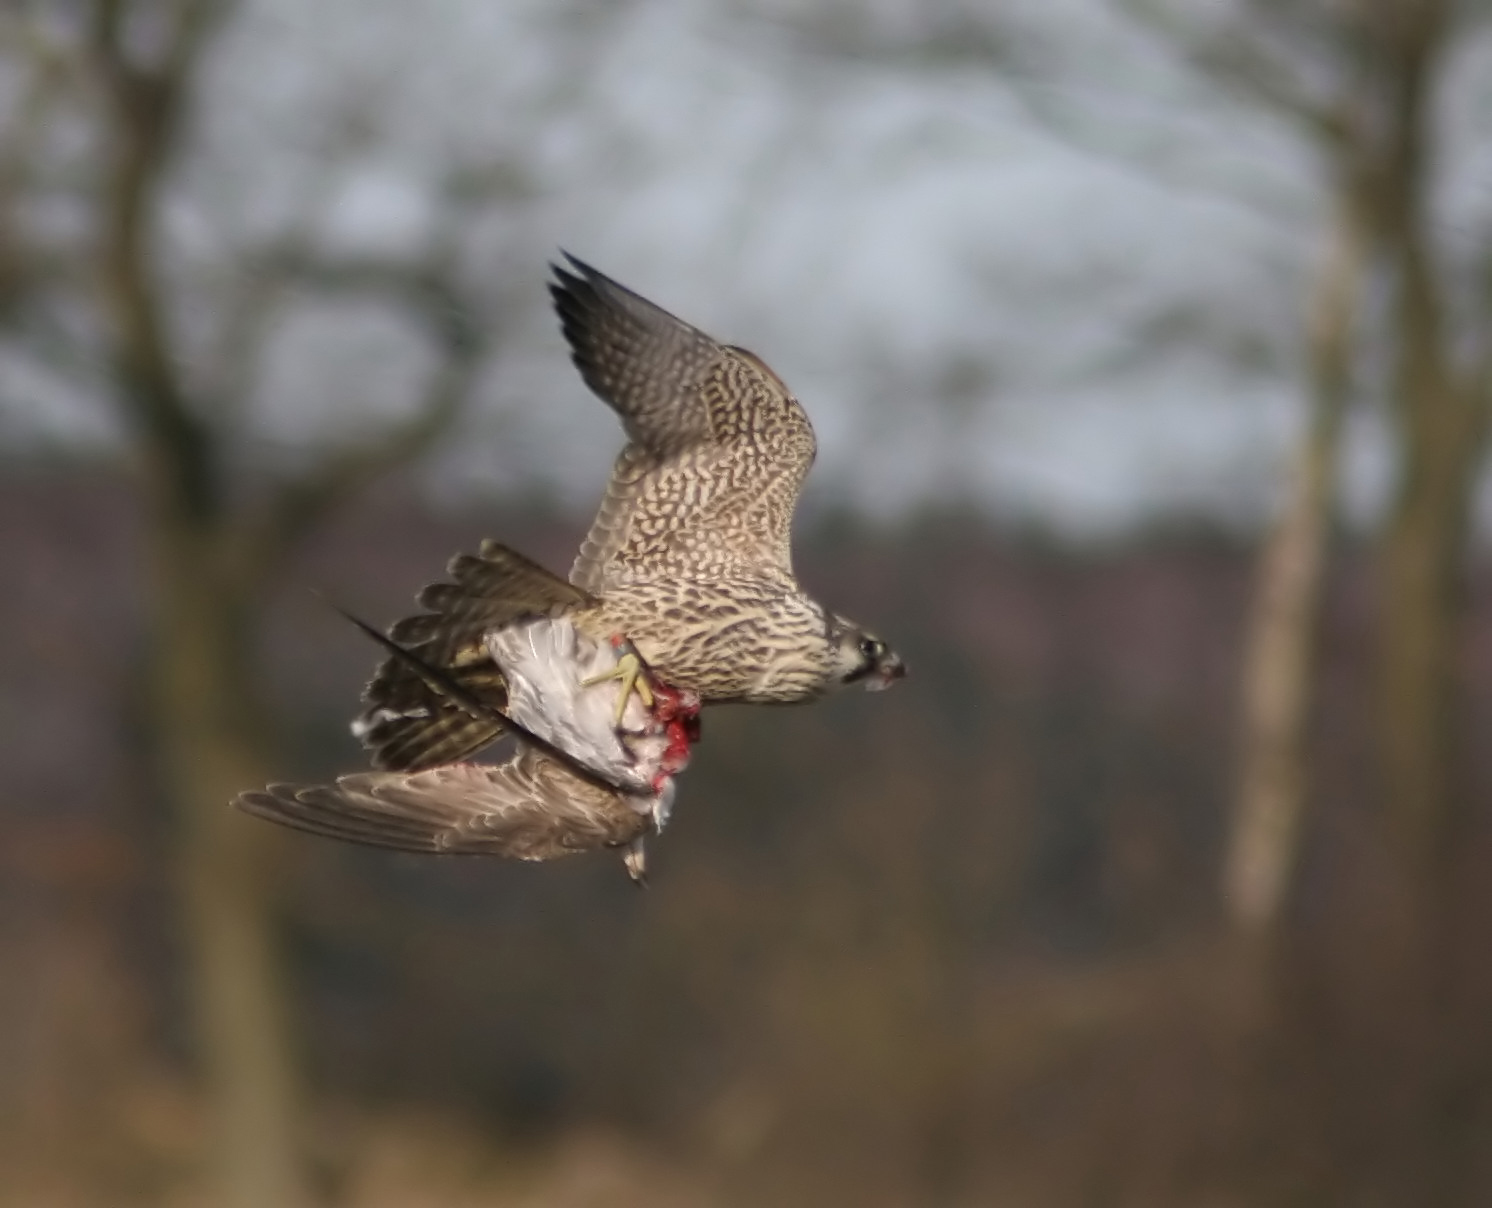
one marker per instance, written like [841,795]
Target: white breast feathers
[545,661]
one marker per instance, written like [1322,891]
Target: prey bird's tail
[411,724]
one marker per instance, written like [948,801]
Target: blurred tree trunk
[207,731]
[1383,142]
[1439,416]
[1280,663]
[204,722]
[1441,432]
[214,549]
[1378,144]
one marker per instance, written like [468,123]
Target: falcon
[685,576]
[689,557]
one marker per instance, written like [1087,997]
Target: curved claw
[633,676]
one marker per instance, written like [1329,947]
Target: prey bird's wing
[533,807]
[408,723]
[717,447]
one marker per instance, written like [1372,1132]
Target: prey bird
[683,594]
[579,780]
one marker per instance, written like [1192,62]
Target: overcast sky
[1059,278]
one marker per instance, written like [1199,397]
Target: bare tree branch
[145,107]
[297,507]
[432,295]
[196,23]
[940,38]
[1236,57]
[262,280]
[20,266]
[1029,65]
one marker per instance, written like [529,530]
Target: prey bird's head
[859,657]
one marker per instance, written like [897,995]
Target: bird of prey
[683,594]
[689,557]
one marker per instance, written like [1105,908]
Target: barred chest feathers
[756,642]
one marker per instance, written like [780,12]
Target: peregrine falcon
[683,594]
[689,556]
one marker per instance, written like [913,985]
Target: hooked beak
[890,670]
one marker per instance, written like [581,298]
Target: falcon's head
[859,657]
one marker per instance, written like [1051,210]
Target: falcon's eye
[872,648]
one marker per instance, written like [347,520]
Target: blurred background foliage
[1150,349]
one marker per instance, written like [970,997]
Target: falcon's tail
[409,724]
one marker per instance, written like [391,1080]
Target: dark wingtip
[567,289]
[577,301]
[574,273]
[575,262]
[583,285]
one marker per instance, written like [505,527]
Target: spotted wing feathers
[641,360]
[717,446]
[531,808]
[408,724]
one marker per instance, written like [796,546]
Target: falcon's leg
[633,675]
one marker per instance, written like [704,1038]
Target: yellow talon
[629,670]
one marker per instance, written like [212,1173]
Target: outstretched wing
[717,446]
[408,725]
[531,808]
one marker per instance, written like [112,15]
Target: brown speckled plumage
[531,808]
[689,555]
